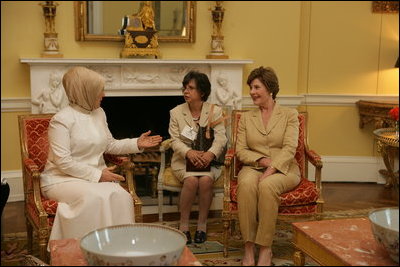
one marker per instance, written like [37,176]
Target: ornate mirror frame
[81,26]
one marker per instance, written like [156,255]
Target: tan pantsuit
[258,202]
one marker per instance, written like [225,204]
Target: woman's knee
[248,183]
[205,183]
[191,183]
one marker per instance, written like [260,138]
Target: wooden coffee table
[339,242]
[66,252]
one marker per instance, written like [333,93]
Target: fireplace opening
[128,117]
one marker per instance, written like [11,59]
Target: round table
[388,146]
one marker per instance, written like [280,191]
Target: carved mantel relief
[135,78]
[51,98]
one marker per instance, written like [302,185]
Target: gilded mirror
[103,20]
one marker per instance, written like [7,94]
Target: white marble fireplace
[135,77]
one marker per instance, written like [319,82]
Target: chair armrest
[31,167]
[31,171]
[165,145]
[314,158]
[229,171]
[230,153]
[115,159]
[128,168]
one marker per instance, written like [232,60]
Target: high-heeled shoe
[188,237]
[200,237]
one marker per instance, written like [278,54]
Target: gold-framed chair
[305,199]
[39,211]
[167,181]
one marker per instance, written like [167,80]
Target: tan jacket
[277,141]
[180,117]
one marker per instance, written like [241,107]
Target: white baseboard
[14,180]
[335,169]
[351,169]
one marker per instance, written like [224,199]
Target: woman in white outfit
[75,174]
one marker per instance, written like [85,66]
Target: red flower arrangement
[394,113]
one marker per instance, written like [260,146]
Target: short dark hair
[268,77]
[202,83]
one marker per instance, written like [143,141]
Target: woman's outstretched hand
[146,141]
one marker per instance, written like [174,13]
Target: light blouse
[77,141]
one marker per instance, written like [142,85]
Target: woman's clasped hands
[200,159]
[265,163]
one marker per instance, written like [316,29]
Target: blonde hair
[83,86]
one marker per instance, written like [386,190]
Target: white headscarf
[83,87]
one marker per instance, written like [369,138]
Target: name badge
[189,133]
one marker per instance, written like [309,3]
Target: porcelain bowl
[139,244]
[385,226]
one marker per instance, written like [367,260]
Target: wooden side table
[340,242]
[376,112]
[388,146]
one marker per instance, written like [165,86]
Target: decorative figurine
[140,33]
[51,47]
[217,41]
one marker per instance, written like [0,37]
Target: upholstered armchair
[39,211]
[167,181]
[305,199]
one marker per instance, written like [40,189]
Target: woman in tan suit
[184,122]
[266,144]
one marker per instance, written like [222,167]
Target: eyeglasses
[189,88]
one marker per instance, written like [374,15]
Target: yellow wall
[315,47]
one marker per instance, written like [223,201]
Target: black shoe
[188,237]
[200,237]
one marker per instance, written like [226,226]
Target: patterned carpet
[14,247]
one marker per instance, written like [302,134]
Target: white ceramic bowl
[385,226]
[139,244]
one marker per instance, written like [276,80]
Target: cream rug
[14,246]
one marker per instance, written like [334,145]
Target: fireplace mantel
[136,77]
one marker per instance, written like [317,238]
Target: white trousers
[84,206]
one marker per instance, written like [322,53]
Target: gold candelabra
[51,47]
[217,39]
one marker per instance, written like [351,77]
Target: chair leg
[43,240]
[160,205]
[226,224]
[29,233]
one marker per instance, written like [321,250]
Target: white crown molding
[101,61]
[16,104]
